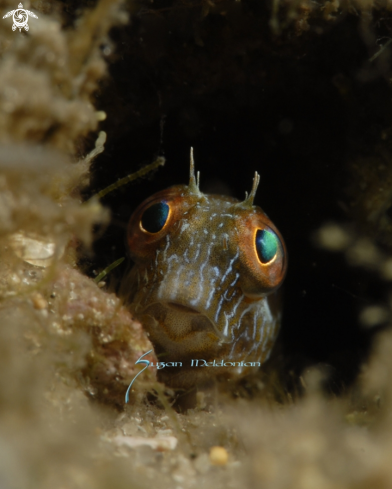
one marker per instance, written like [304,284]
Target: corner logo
[20,18]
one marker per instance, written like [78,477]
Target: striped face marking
[204,283]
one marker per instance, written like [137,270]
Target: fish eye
[266,245]
[155,217]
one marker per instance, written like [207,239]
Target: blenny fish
[204,282]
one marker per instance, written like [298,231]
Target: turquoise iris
[266,245]
[155,217]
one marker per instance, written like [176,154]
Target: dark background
[298,107]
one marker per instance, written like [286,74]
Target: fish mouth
[182,308]
[179,324]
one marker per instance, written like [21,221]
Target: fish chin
[176,327]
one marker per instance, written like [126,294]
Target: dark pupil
[266,245]
[154,218]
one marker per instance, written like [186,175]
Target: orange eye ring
[155,218]
[266,246]
[263,255]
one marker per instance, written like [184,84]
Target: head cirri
[207,268]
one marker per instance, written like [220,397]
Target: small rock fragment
[35,250]
[218,456]
[158,443]
[39,302]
